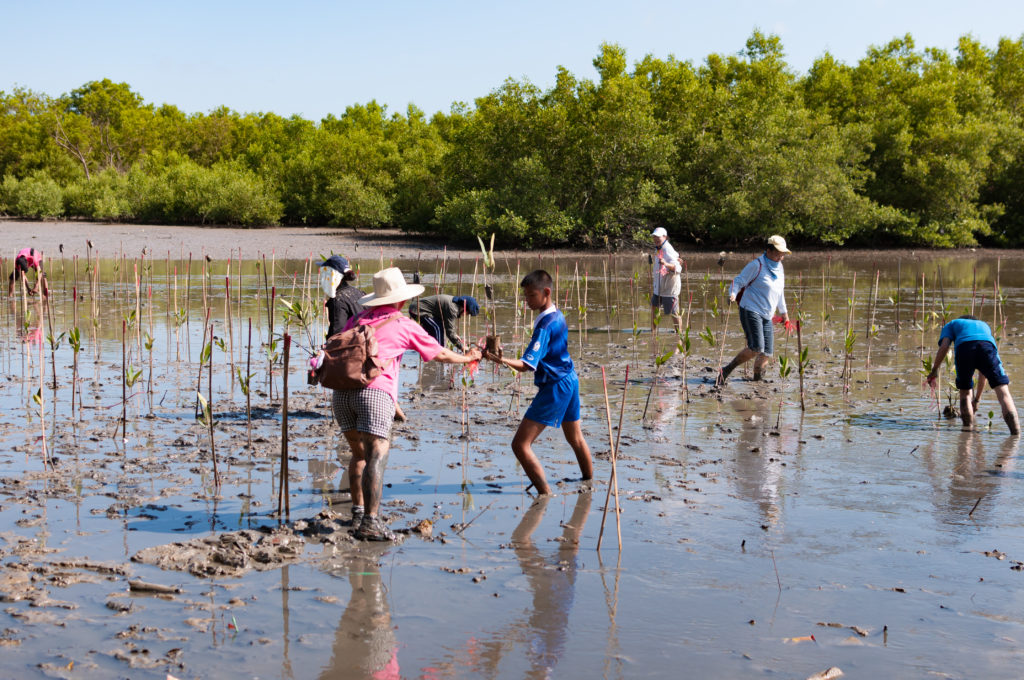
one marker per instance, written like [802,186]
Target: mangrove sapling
[75,340]
[721,345]
[784,370]
[231,329]
[684,349]
[206,419]
[188,306]
[658,363]
[245,382]
[149,388]
[803,360]
[283,500]
[850,336]
[871,330]
[204,355]
[54,343]
[926,369]
[124,384]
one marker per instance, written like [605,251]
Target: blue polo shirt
[548,351]
[965,330]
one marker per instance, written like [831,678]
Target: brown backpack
[350,358]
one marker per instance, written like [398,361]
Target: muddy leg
[355,467]
[967,408]
[745,355]
[1008,407]
[522,446]
[574,435]
[376,452]
[759,363]
[677,323]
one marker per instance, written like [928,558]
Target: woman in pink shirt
[27,258]
[366,415]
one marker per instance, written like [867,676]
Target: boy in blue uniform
[558,398]
[975,350]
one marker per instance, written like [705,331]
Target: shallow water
[745,522]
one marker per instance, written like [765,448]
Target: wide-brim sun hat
[389,287]
[779,244]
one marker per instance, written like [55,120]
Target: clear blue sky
[314,58]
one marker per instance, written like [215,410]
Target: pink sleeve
[419,340]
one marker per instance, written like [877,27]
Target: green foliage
[908,146]
[38,196]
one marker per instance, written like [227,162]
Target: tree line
[909,146]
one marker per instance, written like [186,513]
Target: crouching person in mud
[558,399]
[974,349]
[28,258]
[366,415]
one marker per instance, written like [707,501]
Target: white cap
[779,244]
[660,231]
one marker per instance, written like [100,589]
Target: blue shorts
[978,355]
[556,402]
[758,330]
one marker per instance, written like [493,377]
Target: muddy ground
[866,532]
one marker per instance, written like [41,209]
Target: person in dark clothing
[342,298]
[439,316]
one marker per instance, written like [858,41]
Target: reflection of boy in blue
[975,350]
[558,399]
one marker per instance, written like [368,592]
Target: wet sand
[299,242]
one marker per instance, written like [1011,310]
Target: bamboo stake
[124,385]
[283,501]
[799,361]
[209,383]
[248,387]
[614,482]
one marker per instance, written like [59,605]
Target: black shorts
[21,267]
[978,355]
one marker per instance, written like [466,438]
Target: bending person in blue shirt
[974,349]
[558,400]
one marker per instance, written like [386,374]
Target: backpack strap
[377,327]
[755,276]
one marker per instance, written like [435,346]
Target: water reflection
[758,472]
[972,479]
[541,632]
[364,643]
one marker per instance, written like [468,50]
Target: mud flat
[865,532]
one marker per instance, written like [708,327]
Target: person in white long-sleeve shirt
[760,289]
[666,281]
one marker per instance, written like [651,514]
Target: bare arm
[940,355]
[446,356]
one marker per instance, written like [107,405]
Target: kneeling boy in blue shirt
[975,350]
[558,398]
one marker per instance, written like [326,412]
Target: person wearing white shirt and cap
[666,281]
[760,291]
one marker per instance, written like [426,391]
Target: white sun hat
[660,231]
[779,244]
[389,287]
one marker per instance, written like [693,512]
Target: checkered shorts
[367,410]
